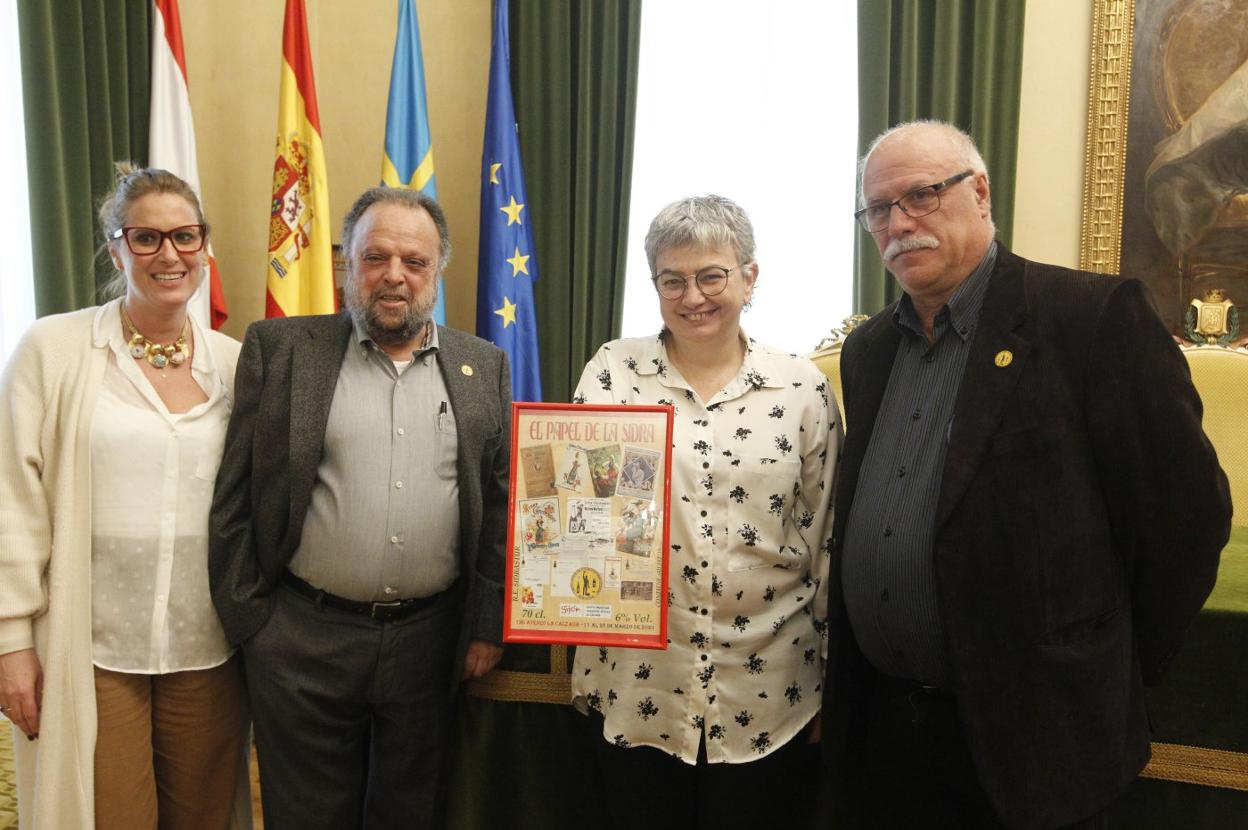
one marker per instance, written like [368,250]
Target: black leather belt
[382,611]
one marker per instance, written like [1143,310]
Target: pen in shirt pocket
[442,415]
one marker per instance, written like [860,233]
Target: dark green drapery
[85,82]
[517,762]
[954,60]
[574,76]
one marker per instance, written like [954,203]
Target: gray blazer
[285,381]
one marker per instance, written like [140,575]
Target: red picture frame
[588,525]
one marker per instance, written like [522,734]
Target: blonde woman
[113,667]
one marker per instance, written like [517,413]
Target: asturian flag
[506,264]
[301,263]
[171,139]
[408,157]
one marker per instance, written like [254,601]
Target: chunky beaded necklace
[158,355]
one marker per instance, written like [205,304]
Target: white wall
[1048,195]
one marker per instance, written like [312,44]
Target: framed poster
[587,528]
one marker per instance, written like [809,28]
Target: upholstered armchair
[827,355]
[1221,377]
[1199,769]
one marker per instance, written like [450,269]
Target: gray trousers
[350,714]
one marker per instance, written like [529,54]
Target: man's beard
[386,327]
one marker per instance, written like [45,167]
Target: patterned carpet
[8,783]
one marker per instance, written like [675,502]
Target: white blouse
[152,475]
[752,476]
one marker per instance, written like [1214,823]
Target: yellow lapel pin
[466,369]
[1004,358]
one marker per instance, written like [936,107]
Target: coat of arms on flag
[301,262]
[291,217]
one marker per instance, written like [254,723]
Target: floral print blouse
[751,524]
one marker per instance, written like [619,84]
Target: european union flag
[506,264]
[408,158]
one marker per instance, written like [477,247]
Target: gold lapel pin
[1004,358]
[466,369]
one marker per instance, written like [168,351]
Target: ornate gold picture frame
[1143,91]
[1100,243]
[1165,171]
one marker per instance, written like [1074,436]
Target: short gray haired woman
[713,732]
[113,664]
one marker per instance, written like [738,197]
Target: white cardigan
[47,396]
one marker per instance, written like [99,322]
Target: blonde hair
[131,184]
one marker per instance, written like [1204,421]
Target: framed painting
[1166,200]
[1166,166]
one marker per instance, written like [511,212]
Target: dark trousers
[647,786]
[915,767]
[350,714]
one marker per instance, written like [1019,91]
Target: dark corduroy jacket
[1081,517]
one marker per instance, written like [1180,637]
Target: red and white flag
[171,138]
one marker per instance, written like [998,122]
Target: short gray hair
[961,143]
[708,220]
[414,199]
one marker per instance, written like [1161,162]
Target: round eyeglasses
[145,241]
[711,281]
[918,202]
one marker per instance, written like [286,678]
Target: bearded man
[359,595]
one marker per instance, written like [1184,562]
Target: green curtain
[517,762]
[85,83]
[954,60]
[574,76]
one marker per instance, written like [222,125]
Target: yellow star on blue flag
[506,266]
[519,264]
[507,312]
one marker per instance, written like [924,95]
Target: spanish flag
[171,139]
[301,263]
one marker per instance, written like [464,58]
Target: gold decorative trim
[528,687]
[835,338]
[1198,765]
[559,660]
[1105,156]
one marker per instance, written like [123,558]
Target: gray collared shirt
[888,569]
[383,522]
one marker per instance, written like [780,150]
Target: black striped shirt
[888,569]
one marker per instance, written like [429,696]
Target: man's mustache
[906,244]
[401,293]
